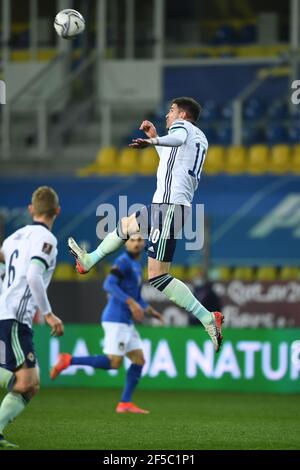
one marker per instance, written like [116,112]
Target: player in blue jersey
[125,305]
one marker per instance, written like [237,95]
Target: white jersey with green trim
[179,168]
[32,242]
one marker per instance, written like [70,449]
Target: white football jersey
[179,168]
[30,242]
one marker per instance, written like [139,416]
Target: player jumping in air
[182,154]
[125,304]
[29,255]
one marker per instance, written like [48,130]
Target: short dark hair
[190,106]
[45,201]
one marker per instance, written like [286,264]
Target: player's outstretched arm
[176,139]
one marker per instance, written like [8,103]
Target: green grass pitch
[85,419]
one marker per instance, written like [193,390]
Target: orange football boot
[127,407]
[63,362]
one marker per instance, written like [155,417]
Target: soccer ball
[69,23]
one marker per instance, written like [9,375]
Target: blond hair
[45,201]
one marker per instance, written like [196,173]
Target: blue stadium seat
[279,110]
[226,34]
[293,134]
[210,133]
[253,110]
[251,135]
[224,135]
[247,34]
[210,112]
[227,111]
[275,134]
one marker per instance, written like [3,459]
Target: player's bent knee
[35,390]
[140,362]
[23,388]
[116,362]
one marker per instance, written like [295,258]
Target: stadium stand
[258,162]
[236,160]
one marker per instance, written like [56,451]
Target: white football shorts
[120,338]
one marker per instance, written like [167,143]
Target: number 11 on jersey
[195,172]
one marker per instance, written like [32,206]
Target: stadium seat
[224,135]
[251,135]
[227,111]
[128,161]
[247,34]
[106,268]
[106,160]
[178,271]
[278,110]
[266,273]
[215,159]
[91,275]
[148,161]
[210,134]
[192,272]
[293,134]
[210,112]
[145,272]
[289,273]
[243,273]
[64,272]
[295,162]
[258,159]
[280,159]
[275,134]
[224,273]
[252,109]
[236,160]
[225,34]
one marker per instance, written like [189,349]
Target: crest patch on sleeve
[47,248]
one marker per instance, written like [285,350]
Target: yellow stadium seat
[64,272]
[106,268]
[266,273]
[224,273]
[145,272]
[128,161]
[148,161]
[258,159]
[296,149]
[295,161]
[289,273]
[215,160]
[91,275]
[243,273]
[280,159]
[192,272]
[106,161]
[104,164]
[236,160]
[178,271]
